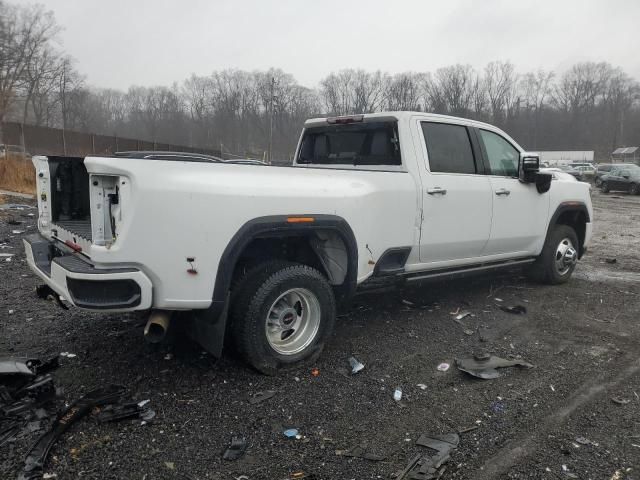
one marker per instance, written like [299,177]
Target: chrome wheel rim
[293,321]
[566,256]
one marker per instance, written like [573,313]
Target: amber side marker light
[300,219]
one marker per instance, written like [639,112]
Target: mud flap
[208,330]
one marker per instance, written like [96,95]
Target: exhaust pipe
[157,326]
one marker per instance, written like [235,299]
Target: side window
[503,157]
[449,148]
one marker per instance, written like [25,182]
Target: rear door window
[368,143]
[449,148]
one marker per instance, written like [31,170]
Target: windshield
[371,143]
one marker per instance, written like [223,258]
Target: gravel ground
[582,337]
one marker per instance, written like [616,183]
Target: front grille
[104,294]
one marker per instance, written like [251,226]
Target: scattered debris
[236,449]
[421,386]
[291,433]
[462,315]
[315,372]
[585,441]
[68,354]
[397,394]
[356,366]
[428,467]
[17,232]
[443,367]
[36,457]
[168,356]
[484,365]
[170,465]
[261,396]
[46,293]
[498,299]
[620,401]
[468,429]
[610,260]
[124,411]
[408,303]
[359,451]
[553,389]
[516,309]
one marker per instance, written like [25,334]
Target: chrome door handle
[503,191]
[437,191]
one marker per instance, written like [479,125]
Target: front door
[520,213]
[457,200]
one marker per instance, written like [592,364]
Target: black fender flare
[573,206]
[275,226]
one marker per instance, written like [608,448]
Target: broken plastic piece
[236,449]
[484,366]
[620,401]
[291,433]
[462,315]
[261,396]
[37,455]
[443,367]
[427,467]
[516,309]
[356,366]
[397,394]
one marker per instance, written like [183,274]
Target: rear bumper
[85,285]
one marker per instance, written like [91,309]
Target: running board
[465,270]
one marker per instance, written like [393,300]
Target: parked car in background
[605,168]
[571,170]
[623,178]
[559,174]
[588,171]
[14,151]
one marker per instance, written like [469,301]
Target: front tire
[559,256]
[605,187]
[634,189]
[282,316]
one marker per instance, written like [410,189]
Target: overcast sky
[117,43]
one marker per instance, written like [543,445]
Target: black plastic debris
[611,260]
[359,451]
[237,447]
[428,467]
[261,396]
[515,309]
[37,456]
[125,411]
[484,366]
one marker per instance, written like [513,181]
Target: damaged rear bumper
[85,285]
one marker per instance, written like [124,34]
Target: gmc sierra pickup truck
[262,255]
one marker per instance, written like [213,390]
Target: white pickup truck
[265,253]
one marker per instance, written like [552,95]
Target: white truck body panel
[173,210]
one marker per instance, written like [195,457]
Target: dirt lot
[582,337]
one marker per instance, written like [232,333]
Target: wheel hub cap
[566,256]
[293,321]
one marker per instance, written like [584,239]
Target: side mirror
[528,167]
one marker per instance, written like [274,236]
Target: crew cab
[262,255]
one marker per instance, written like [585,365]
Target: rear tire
[556,263]
[634,189]
[282,315]
[597,182]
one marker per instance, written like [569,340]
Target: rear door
[457,195]
[520,213]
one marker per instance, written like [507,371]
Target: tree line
[591,106]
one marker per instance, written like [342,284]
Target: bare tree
[405,92]
[500,82]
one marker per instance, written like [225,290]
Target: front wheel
[604,187]
[634,189]
[597,182]
[559,256]
[282,315]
